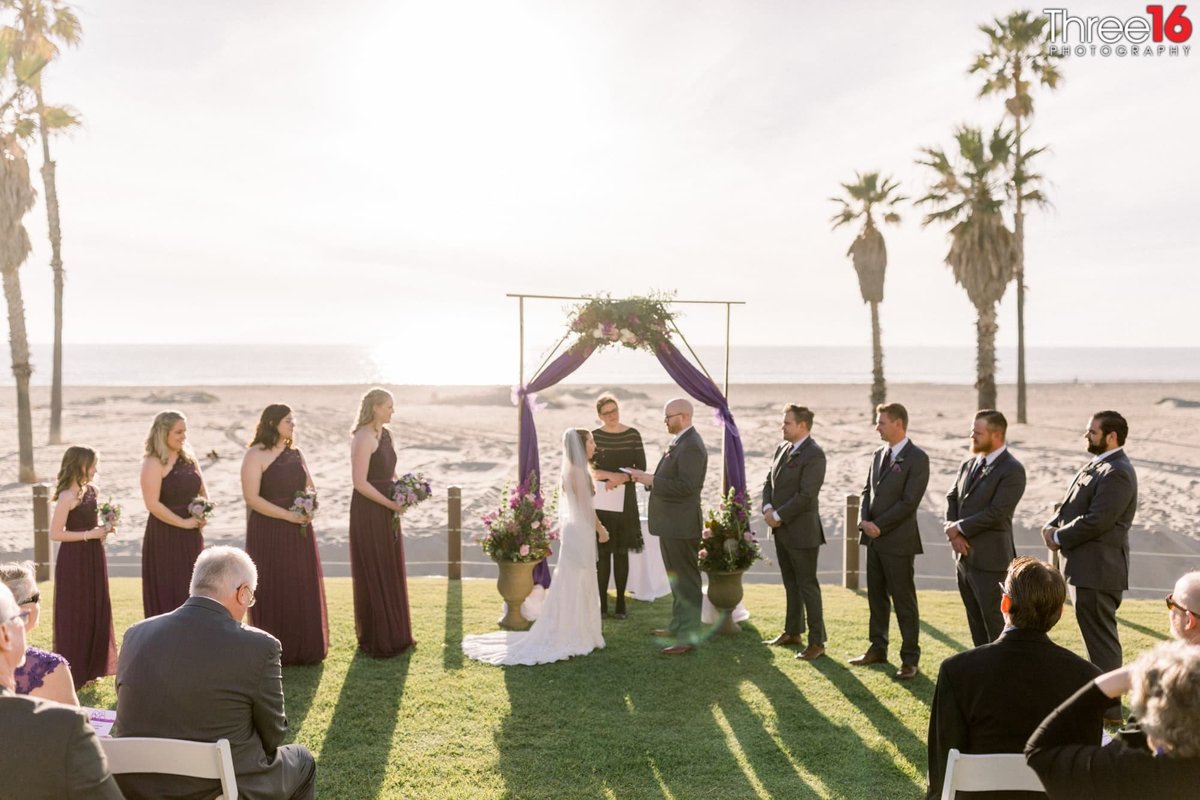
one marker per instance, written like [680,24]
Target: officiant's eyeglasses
[36,597]
[1172,605]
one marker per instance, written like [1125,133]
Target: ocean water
[299,365]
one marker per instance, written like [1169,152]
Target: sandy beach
[466,436]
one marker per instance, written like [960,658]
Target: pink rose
[524,551]
[703,553]
[707,534]
[535,524]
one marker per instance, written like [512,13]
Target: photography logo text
[1162,32]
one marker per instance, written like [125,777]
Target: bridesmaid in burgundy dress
[291,587]
[171,479]
[83,623]
[381,617]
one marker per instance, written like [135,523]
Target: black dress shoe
[906,672]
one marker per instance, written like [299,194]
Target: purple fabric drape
[698,385]
[528,463]
[690,379]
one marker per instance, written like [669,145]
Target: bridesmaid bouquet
[110,515]
[306,504]
[411,489]
[201,507]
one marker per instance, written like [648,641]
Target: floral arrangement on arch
[518,531]
[635,322]
[728,544]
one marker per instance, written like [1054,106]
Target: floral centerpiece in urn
[728,548]
[517,536]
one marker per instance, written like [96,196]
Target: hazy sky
[375,172]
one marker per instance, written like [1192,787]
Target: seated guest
[1164,689]
[44,674]
[1184,625]
[988,700]
[48,750]
[198,673]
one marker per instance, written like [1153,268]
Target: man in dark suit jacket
[675,518]
[48,751]
[1091,527]
[896,483]
[198,673]
[790,507]
[979,523]
[992,698]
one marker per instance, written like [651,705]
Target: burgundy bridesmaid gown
[83,623]
[169,553]
[381,617]
[291,587]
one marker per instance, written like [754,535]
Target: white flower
[628,336]
[599,332]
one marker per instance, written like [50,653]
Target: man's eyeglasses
[23,616]
[667,418]
[253,599]
[36,597]
[1172,605]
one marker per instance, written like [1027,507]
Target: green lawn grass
[734,719]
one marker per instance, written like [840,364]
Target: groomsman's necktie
[975,472]
[887,462]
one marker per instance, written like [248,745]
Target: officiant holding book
[618,446]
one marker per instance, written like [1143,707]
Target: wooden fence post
[454,533]
[850,555]
[41,531]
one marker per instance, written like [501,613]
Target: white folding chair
[174,757]
[988,773]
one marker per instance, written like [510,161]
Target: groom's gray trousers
[680,558]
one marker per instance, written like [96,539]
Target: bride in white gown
[569,623]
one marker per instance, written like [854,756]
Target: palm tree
[31,43]
[983,252]
[868,193]
[1018,51]
[16,199]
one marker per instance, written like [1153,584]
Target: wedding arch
[644,323]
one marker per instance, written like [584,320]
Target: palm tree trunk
[56,266]
[985,356]
[878,387]
[1019,225]
[21,371]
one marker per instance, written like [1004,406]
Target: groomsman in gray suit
[675,518]
[1091,527]
[198,673]
[979,523]
[791,509]
[896,483]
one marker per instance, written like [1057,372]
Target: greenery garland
[633,322]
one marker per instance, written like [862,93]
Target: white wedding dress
[569,622]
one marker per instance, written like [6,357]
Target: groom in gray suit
[675,518]
[198,673]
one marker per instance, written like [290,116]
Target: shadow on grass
[299,688]
[882,718]
[355,752]
[727,720]
[954,644]
[452,655]
[1153,633]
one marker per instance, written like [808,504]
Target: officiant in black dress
[617,446]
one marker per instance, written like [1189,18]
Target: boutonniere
[1085,479]
[987,470]
[896,464]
